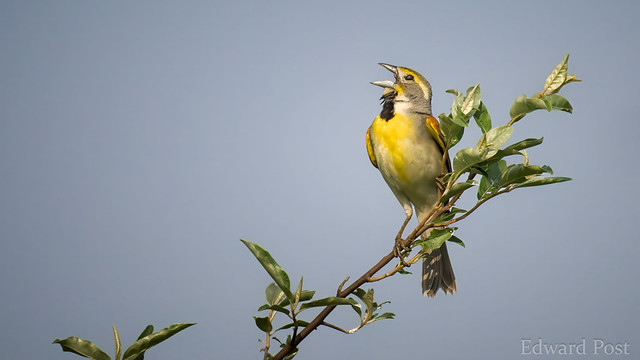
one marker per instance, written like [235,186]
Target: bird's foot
[440,183]
[400,250]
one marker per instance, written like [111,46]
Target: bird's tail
[437,272]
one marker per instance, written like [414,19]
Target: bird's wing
[372,156]
[434,129]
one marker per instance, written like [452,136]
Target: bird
[405,144]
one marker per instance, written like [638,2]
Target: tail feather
[437,273]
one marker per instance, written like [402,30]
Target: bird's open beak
[387,84]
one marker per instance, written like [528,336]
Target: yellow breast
[393,140]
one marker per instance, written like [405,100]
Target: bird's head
[410,92]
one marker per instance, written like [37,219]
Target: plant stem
[319,319]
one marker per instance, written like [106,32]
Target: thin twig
[342,284]
[335,327]
[398,267]
[475,207]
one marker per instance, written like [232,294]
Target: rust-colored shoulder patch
[433,125]
[434,129]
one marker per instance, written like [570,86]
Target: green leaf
[465,159]
[150,340]
[540,180]
[328,301]
[459,120]
[116,338]
[367,299]
[492,140]
[360,293]
[458,117]
[488,146]
[306,295]
[82,347]
[455,239]
[357,308]
[484,187]
[524,144]
[557,78]
[147,331]
[457,189]
[276,339]
[275,271]
[436,238]
[451,131]
[387,315]
[482,117]
[277,308]
[518,173]
[489,182]
[297,296]
[570,79]
[444,217]
[557,102]
[524,105]
[263,323]
[471,100]
[301,323]
[513,150]
[452,91]
[448,215]
[547,99]
[464,107]
[273,294]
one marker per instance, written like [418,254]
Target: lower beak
[388,84]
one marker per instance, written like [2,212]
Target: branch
[329,325]
[366,278]
[401,265]
[475,207]
[319,319]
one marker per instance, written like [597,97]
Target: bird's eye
[408,77]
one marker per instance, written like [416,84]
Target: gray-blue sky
[140,140]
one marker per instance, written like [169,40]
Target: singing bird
[405,143]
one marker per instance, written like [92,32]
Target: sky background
[140,140]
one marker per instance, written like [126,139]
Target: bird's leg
[399,248]
[404,225]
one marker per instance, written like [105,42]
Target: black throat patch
[387,106]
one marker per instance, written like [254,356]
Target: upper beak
[392,68]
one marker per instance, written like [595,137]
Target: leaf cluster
[282,300]
[146,340]
[488,159]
